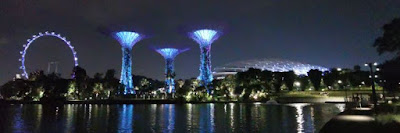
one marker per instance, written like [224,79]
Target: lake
[148,118]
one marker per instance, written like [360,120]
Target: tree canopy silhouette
[390,41]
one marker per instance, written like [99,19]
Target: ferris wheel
[34,37]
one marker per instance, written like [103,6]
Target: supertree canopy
[169,55]
[127,39]
[205,37]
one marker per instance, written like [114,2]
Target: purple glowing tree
[205,37]
[169,55]
[127,39]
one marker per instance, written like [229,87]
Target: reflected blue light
[127,40]
[206,120]
[169,54]
[126,118]
[169,114]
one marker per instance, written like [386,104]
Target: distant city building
[274,65]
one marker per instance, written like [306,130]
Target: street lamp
[297,84]
[371,71]
[345,90]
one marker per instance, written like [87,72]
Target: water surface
[148,118]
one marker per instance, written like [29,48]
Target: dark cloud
[3,41]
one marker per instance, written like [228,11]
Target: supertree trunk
[205,66]
[126,71]
[170,75]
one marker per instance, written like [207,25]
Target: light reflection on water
[299,116]
[219,117]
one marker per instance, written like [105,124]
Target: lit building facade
[274,65]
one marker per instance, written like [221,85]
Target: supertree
[169,55]
[205,37]
[127,39]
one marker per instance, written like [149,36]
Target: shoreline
[135,101]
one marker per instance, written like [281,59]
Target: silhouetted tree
[277,81]
[304,82]
[111,83]
[80,80]
[356,77]
[289,78]
[98,77]
[266,78]
[390,74]
[315,77]
[390,41]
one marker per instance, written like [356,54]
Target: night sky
[330,33]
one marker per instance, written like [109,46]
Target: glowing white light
[339,69]
[274,65]
[341,107]
[375,64]
[297,84]
[359,118]
[300,116]
[339,81]
[377,69]
[257,103]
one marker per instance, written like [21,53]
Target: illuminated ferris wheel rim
[34,37]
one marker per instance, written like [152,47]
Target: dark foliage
[315,78]
[289,78]
[390,41]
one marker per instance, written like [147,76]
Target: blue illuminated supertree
[205,37]
[127,40]
[169,55]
